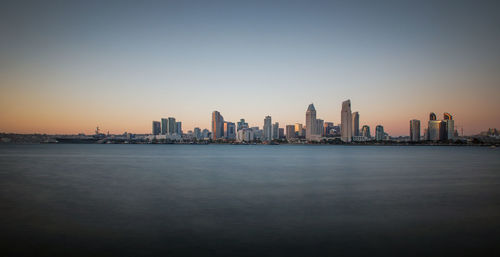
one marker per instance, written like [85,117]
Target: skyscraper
[327,126]
[276,130]
[178,128]
[290,132]
[414,130]
[217,125]
[355,124]
[379,133]
[281,133]
[268,129]
[197,133]
[435,129]
[346,121]
[449,124]
[229,130]
[242,124]
[164,123]
[156,128]
[365,131]
[299,129]
[319,127]
[310,122]
[171,126]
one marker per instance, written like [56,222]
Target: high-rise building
[268,129]
[355,124]
[229,130]
[435,129]
[449,124]
[290,132]
[311,122]
[156,128]
[319,127]
[217,125]
[365,131]
[379,133]
[197,133]
[327,128]
[242,124]
[346,122]
[281,133]
[171,126]
[276,130]
[414,130]
[245,135]
[299,129]
[164,123]
[205,133]
[178,128]
[258,134]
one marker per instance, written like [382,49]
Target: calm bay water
[223,200]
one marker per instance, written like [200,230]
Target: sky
[69,66]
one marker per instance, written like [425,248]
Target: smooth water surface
[231,200]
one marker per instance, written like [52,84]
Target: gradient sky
[66,67]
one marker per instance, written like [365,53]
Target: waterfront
[253,200]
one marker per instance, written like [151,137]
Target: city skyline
[315,130]
[63,73]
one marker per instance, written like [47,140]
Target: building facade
[164,123]
[299,129]
[346,122]
[414,130]
[379,133]
[276,130]
[290,132]
[217,125]
[178,128]
[242,124]
[229,130]
[156,128]
[268,128]
[449,124]
[197,133]
[365,132]
[311,124]
[355,124]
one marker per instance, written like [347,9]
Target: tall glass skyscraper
[268,128]
[449,124]
[355,124]
[164,123]
[217,125]
[414,130]
[156,128]
[379,133]
[171,126]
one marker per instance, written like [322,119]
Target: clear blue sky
[68,66]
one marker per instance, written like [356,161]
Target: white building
[268,129]
[311,122]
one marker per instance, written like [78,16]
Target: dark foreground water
[221,200]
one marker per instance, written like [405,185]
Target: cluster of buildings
[314,130]
[168,128]
[437,130]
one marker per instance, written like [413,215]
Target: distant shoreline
[259,144]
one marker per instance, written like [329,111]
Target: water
[223,200]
